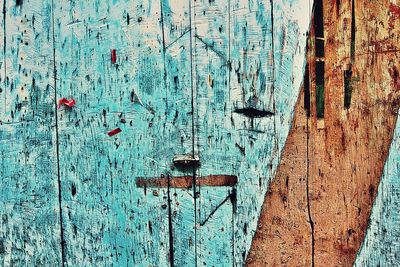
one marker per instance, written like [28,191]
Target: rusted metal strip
[187,181]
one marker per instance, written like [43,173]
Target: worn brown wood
[283,233]
[337,163]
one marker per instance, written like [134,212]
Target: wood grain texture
[213,79]
[29,207]
[177,17]
[211,58]
[238,74]
[381,244]
[169,73]
[283,236]
[107,219]
[177,69]
[187,181]
[345,150]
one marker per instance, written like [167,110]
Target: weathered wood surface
[29,206]
[182,70]
[381,244]
[320,202]
[180,67]
[217,80]
[107,220]
[258,70]
[283,236]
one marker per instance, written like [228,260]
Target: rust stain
[187,181]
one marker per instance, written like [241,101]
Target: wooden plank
[210,86]
[237,71]
[109,220]
[285,24]
[381,243]
[178,60]
[283,236]
[29,203]
[358,138]
[211,58]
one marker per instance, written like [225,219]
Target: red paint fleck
[395,14]
[114,132]
[113,56]
[394,9]
[69,103]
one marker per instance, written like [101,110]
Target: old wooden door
[203,92]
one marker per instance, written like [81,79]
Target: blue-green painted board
[178,66]
[381,246]
[211,30]
[108,219]
[249,54]
[29,209]
[227,55]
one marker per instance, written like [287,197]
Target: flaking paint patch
[107,218]
[220,131]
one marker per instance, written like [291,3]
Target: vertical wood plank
[283,236]
[348,153]
[345,150]
[29,208]
[211,60]
[178,64]
[242,131]
[108,219]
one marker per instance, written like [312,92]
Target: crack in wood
[231,196]
[63,243]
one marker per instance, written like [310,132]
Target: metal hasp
[186,160]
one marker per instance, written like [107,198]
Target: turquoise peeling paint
[29,214]
[381,246]
[182,69]
[109,220]
[228,142]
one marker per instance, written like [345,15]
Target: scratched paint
[182,70]
[187,31]
[261,57]
[29,210]
[108,220]
[215,79]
